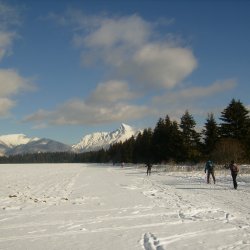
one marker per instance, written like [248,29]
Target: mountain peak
[20,143]
[125,127]
[96,141]
[13,140]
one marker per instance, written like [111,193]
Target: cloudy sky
[68,68]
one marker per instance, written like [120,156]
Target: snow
[90,206]
[21,144]
[15,140]
[99,140]
[92,141]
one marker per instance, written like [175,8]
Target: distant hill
[40,146]
[9,142]
[21,144]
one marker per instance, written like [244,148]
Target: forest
[169,141]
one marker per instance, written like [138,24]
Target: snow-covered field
[88,207]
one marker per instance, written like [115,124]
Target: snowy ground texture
[88,207]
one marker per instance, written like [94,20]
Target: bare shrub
[228,149]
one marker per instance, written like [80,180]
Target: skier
[234,171]
[209,169]
[149,166]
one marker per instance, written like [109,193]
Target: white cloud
[130,31]
[6,40]
[131,48]
[5,105]
[11,84]
[107,103]
[39,116]
[110,92]
[194,93]
[77,112]
[160,65]
[9,18]
[111,40]
[176,102]
[104,30]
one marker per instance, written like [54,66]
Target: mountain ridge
[99,140]
[12,144]
[13,140]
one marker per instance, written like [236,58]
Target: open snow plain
[81,206]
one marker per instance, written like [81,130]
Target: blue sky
[68,68]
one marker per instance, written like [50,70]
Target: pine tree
[235,121]
[143,146]
[127,150]
[158,141]
[177,150]
[211,134]
[236,124]
[191,138]
[167,142]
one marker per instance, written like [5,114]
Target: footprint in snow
[150,242]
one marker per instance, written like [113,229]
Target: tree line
[170,141]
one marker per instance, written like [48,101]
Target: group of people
[209,169]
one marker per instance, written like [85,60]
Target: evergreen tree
[236,124]
[138,151]
[191,138]
[143,147]
[127,150]
[147,144]
[177,152]
[158,141]
[115,152]
[235,121]
[211,134]
[167,141]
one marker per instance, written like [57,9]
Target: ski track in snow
[77,206]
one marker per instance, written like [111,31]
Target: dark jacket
[234,168]
[209,166]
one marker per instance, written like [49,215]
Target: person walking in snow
[209,169]
[234,172]
[149,166]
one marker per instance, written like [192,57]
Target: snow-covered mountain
[21,144]
[14,140]
[99,140]
[8,142]
[39,146]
